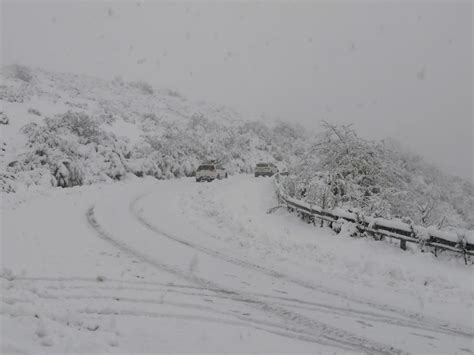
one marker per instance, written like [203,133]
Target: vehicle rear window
[206,167]
[262,165]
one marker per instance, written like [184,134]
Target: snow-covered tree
[378,178]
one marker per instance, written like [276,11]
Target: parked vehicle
[265,169]
[210,171]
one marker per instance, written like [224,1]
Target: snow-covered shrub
[68,174]
[11,94]
[21,72]
[173,93]
[343,170]
[74,149]
[143,86]
[151,117]
[348,229]
[50,151]
[118,80]
[78,123]
[7,182]
[4,118]
[77,105]
[323,192]
[145,167]
[34,111]
[114,167]
[7,274]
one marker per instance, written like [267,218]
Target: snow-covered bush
[34,111]
[143,86]
[7,182]
[11,94]
[114,168]
[173,93]
[343,170]
[46,150]
[77,123]
[4,118]
[21,72]
[145,167]
[68,174]
[74,149]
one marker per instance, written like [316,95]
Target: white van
[265,169]
[210,171]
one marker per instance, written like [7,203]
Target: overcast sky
[399,69]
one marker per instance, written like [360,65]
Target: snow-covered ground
[178,266]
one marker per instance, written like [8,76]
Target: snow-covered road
[179,266]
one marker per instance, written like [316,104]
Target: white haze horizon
[393,69]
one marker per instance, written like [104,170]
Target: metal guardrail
[459,242]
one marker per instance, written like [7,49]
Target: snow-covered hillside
[67,130]
[175,266]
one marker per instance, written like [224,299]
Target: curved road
[207,258]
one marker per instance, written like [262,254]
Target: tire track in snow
[414,320]
[278,300]
[312,330]
[187,317]
[132,300]
[113,311]
[101,312]
[95,281]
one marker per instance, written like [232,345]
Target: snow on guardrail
[457,241]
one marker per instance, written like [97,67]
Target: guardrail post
[403,244]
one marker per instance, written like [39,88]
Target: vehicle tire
[226,175]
